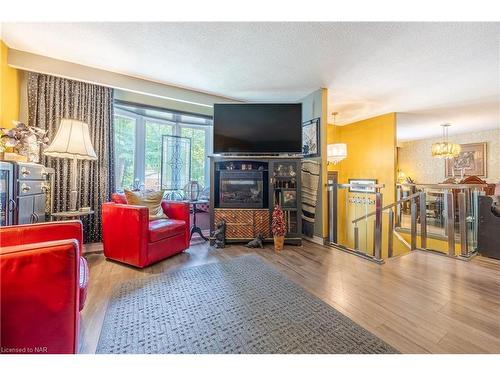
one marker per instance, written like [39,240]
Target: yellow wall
[9,90]
[436,244]
[371,154]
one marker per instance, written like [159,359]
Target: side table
[195,228]
[71,215]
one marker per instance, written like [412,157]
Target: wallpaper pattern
[415,160]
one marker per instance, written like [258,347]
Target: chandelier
[336,152]
[445,149]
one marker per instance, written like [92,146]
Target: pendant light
[336,152]
[445,149]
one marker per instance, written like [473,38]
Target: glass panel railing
[435,211]
[438,217]
[451,217]
[353,201]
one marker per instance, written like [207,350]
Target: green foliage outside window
[124,133]
[198,153]
[125,140]
[154,133]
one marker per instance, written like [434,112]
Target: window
[139,141]
[124,128]
[198,152]
[154,132]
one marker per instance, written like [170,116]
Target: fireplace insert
[242,189]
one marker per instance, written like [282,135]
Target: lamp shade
[72,140]
[336,152]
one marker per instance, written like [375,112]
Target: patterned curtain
[49,100]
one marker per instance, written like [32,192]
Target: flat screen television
[257,128]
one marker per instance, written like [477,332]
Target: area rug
[242,305]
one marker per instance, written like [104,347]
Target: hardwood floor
[418,303]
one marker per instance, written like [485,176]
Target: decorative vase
[279,242]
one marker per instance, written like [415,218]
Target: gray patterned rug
[242,305]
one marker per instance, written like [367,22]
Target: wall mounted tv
[255,128]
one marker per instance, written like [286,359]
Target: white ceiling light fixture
[336,152]
[445,149]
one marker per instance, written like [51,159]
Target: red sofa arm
[83,282]
[39,289]
[125,232]
[42,232]
[177,210]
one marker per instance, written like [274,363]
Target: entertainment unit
[245,189]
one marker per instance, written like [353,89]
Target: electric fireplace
[241,189]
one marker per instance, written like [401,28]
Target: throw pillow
[152,200]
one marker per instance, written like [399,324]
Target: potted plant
[278,228]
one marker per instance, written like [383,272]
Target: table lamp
[72,141]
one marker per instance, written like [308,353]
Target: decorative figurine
[220,235]
[256,242]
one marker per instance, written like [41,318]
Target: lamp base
[73,195]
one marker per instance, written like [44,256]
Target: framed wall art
[310,138]
[470,162]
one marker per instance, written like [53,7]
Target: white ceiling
[430,72]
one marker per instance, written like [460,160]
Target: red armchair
[129,237]
[43,285]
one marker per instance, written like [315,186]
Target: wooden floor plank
[418,303]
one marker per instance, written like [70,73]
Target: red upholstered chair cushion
[129,237]
[164,228]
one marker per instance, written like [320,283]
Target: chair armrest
[39,291]
[125,232]
[42,232]
[83,282]
[176,210]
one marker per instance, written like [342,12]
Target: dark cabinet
[7,197]
[39,208]
[25,210]
[285,190]
[245,190]
[25,193]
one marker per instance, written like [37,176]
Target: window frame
[177,125]
[129,116]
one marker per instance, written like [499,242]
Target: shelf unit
[282,186]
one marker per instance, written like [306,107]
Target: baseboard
[315,239]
